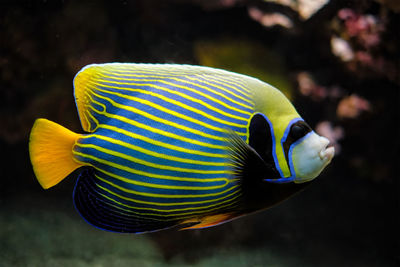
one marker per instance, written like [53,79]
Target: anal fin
[208,221]
[103,213]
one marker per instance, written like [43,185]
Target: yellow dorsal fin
[82,95]
[93,83]
[208,221]
[50,150]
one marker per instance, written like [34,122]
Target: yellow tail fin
[50,149]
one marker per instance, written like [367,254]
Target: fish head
[294,150]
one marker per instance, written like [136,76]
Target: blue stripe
[287,130]
[191,84]
[168,128]
[144,168]
[153,147]
[178,98]
[161,191]
[230,189]
[146,157]
[229,93]
[162,138]
[164,210]
[202,80]
[134,197]
[164,115]
[291,167]
[147,179]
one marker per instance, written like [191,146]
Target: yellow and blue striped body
[169,145]
[157,143]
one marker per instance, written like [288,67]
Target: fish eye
[298,131]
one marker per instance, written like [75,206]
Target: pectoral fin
[247,164]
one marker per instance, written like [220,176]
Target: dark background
[347,217]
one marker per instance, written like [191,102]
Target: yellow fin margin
[81,84]
[208,221]
[50,150]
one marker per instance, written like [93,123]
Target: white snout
[310,156]
[326,152]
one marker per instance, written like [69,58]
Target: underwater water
[338,62]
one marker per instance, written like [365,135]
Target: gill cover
[279,114]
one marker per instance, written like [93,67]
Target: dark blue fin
[100,212]
[247,163]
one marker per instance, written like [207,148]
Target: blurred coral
[305,8]
[308,87]
[270,19]
[359,42]
[366,28]
[334,134]
[352,106]
[342,49]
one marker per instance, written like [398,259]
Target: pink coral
[365,28]
[352,106]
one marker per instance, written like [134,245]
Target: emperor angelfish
[176,145]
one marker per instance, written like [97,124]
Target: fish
[169,145]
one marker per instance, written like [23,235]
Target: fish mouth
[327,153]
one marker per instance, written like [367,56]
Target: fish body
[169,145]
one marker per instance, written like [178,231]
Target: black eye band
[260,139]
[297,131]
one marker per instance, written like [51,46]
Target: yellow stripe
[175,92]
[85,117]
[236,84]
[149,164]
[165,195]
[88,121]
[181,86]
[93,101]
[161,144]
[175,217]
[205,80]
[241,87]
[158,131]
[160,70]
[87,106]
[172,112]
[156,176]
[212,91]
[213,207]
[152,117]
[163,70]
[159,203]
[185,95]
[154,153]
